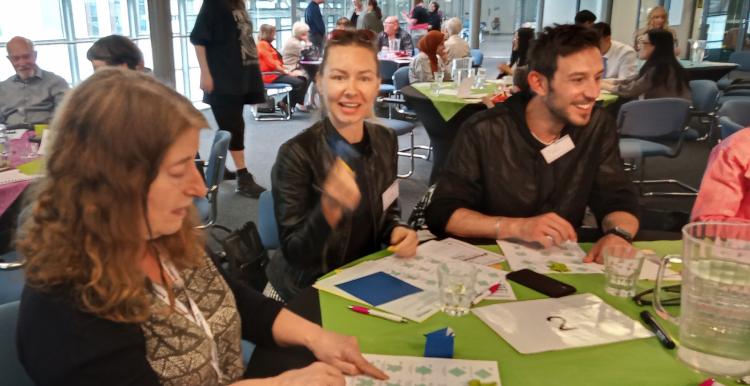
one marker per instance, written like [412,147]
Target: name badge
[557,149]
[390,195]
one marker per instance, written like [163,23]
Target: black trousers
[229,117]
[299,87]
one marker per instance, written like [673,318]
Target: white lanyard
[193,314]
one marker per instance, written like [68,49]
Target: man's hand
[403,241]
[547,229]
[342,352]
[596,255]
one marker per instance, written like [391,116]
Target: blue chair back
[267,227]
[218,158]
[653,118]
[728,127]
[401,78]
[10,368]
[477,57]
[704,93]
[387,69]
[742,58]
[734,115]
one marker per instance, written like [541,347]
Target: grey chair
[387,69]
[651,128]
[11,369]
[208,207]
[742,58]
[734,115]
[705,94]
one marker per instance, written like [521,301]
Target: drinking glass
[438,76]
[456,283]
[622,267]
[480,77]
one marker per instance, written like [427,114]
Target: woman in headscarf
[431,59]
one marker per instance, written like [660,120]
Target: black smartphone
[541,283]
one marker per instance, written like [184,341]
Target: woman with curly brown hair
[118,286]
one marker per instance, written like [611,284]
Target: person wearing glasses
[335,189]
[528,168]
[32,94]
[661,76]
[118,286]
[393,32]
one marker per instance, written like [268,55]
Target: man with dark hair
[528,168]
[620,59]
[116,51]
[585,18]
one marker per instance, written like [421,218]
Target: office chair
[208,207]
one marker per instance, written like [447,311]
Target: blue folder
[378,288]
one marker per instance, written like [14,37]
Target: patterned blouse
[420,69]
[178,349]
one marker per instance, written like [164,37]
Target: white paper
[390,195]
[540,260]
[421,272]
[457,249]
[411,371]
[650,268]
[14,175]
[582,320]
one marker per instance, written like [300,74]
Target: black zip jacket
[496,168]
[309,247]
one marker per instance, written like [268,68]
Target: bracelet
[497,229]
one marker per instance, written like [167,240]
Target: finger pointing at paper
[403,241]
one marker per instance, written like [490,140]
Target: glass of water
[438,76]
[456,283]
[622,267]
[480,77]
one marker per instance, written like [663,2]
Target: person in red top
[273,68]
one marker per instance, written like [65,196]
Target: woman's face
[646,48]
[304,36]
[349,84]
[432,7]
[658,18]
[171,194]
[440,51]
[272,35]
[357,4]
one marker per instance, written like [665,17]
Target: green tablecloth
[450,105]
[640,362]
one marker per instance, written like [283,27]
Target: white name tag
[390,195]
[557,149]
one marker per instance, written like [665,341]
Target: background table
[636,362]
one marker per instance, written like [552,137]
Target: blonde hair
[267,32]
[86,231]
[453,26]
[651,15]
[299,28]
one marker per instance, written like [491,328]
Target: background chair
[268,229]
[734,115]
[208,207]
[742,58]
[274,93]
[387,69]
[477,57]
[705,94]
[654,127]
[10,368]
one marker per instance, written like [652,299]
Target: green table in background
[641,362]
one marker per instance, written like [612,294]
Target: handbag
[245,256]
[310,53]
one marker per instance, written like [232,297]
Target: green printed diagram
[419,371]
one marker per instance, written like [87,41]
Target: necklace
[546,143]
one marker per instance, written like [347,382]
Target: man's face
[390,26]
[23,59]
[604,43]
[571,93]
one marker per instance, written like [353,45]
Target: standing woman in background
[230,75]
[658,19]
[373,19]
[357,12]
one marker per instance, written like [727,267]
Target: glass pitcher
[697,50]
[714,325]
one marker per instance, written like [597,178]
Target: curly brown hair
[88,228]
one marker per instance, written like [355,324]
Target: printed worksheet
[415,371]
[459,250]
[567,258]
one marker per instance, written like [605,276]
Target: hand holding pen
[403,241]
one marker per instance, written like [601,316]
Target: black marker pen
[656,329]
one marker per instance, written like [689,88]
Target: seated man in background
[31,95]
[115,51]
[455,47]
[392,31]
[725,191]
[620,59]
[528,168]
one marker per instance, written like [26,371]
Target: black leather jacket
[309,247]
[496,168]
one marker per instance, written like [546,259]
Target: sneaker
[247,186]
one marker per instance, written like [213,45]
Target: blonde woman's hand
[340,192]
[403,241]
[316,374]
[342,352]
